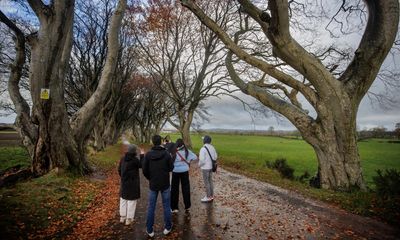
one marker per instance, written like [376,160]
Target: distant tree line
[379,132]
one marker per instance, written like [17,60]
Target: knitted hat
[206,139]
[132,148]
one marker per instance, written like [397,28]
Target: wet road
[248,209]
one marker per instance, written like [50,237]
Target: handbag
[214,162]
[182,158]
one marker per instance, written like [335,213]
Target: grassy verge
[30,207]
[11,156]
[106,160]
[362,203]
[49,206]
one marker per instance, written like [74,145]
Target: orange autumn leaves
[100,211]
[73,205]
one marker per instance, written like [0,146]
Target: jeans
[183,178]
[166,198]
[207,177]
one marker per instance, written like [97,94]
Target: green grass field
[13,155]
[252,152]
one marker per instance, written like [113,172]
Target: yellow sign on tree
[45,93]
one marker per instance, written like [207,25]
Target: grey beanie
[132,148]
[206,139]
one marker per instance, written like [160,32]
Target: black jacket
[157,165]
[171,148]
[128,170]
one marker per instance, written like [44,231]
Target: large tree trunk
[185,121]
[111,132]
[98,135]
[338,171]
[334,139]
[52,140]
[339,165]
[185,133]
[51,48]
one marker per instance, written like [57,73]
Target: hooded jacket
[128,170]
[156,167]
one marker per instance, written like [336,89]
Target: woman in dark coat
[128,170]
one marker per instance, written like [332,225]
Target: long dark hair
[180,144]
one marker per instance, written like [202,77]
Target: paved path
[248,209]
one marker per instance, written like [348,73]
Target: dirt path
[248,209]
[9,139]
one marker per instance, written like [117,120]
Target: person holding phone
[180,174]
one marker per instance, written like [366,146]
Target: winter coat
[205,162]
[157,165]
[128,170]
[181,165]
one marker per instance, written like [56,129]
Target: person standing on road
[206,156]
[156,167]
[180,173]
[128,170]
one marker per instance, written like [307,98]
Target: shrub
[283,168]
[268,164]
[387,183]
[315,181]
[306,175]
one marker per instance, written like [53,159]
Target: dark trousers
[183,178]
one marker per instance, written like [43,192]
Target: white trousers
[127,208]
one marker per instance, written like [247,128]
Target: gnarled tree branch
[83,118]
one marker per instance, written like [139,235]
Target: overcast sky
[229,113]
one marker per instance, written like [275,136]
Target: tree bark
[111,132]
[185,121]
[334,139]
[98,135]
[51,47]
[185,130]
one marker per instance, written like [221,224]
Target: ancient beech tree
[185,55]
[52,138]
[334,97]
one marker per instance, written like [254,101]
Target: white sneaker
[150,234]
[174,211]
[129,221]
[205,199]
[122,219]
[166,231]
